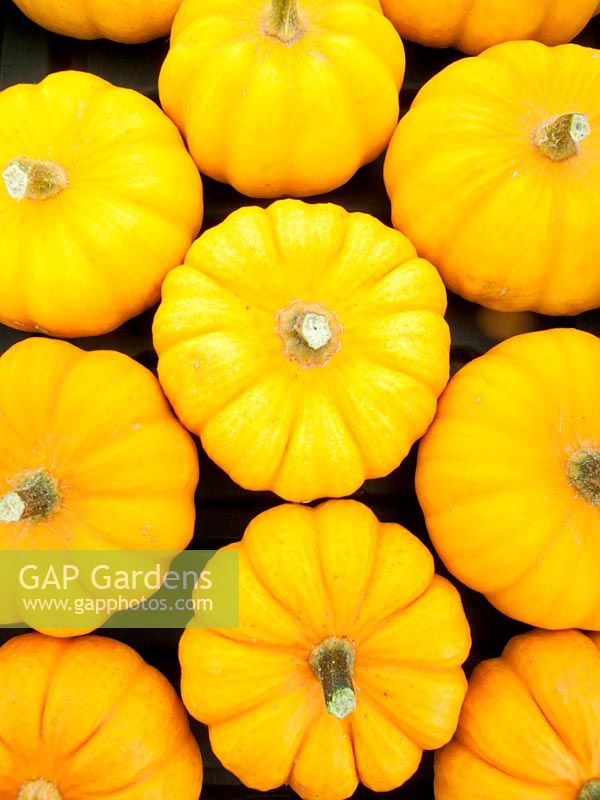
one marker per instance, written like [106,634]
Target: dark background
[27,54]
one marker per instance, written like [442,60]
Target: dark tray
[27,54]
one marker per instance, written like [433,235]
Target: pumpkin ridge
[299,649]
[286,449]
[290,613]
[551,540]
[109,715]
[252,299]
[152,768]
[406,370]
[366,689]
[513,668]
[364,634]
[342,414]
[458,739]
[377,358]
[375,561]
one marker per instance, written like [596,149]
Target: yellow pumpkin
[508,477]
[98,200]
[129,22]
[345,665]
[305,345]
[494,174]
[91,457]
[474,25]
[529,728]
[288,97]
[89,718]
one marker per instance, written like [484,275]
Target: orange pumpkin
[89,718]
[474,25]
[129,22]
[529,728]
[98,200]
[91,457]
[508,477]
[306,346]
[494,175]
[347,655]
[288,97]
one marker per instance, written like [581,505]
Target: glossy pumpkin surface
[98,200]
[529,728]
[474,25]
[81,435]
[129,22]
[89,718]
[306,346]
[508,477]
[348,654]
[494,174]
[283,98]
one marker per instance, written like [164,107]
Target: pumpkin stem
[332,662]
[35,498]
[558,138]
[26,178]
[39,789]
[310,333]
[283,22]
[590,790]
[584,474]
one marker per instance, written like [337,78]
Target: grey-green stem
[583,469]
[559,138]
[590,790]
[39,789]
[35,497]
[284,22]
[332,662]
[310,333]
[30,179]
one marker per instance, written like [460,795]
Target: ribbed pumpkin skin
[493,482]
[529,728]
[99,424]
[86,260]
[90,716]
[129,22]
[306,575]
[268,421]
[474,25]
[283,119]
[506,226]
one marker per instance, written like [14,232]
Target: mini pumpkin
[131,22]
[529,728]
[91,456]
[508,477]
[89,718]
[474,25]
[98,200]
[287,97]
[494,175]
[347,655]
[305,345]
